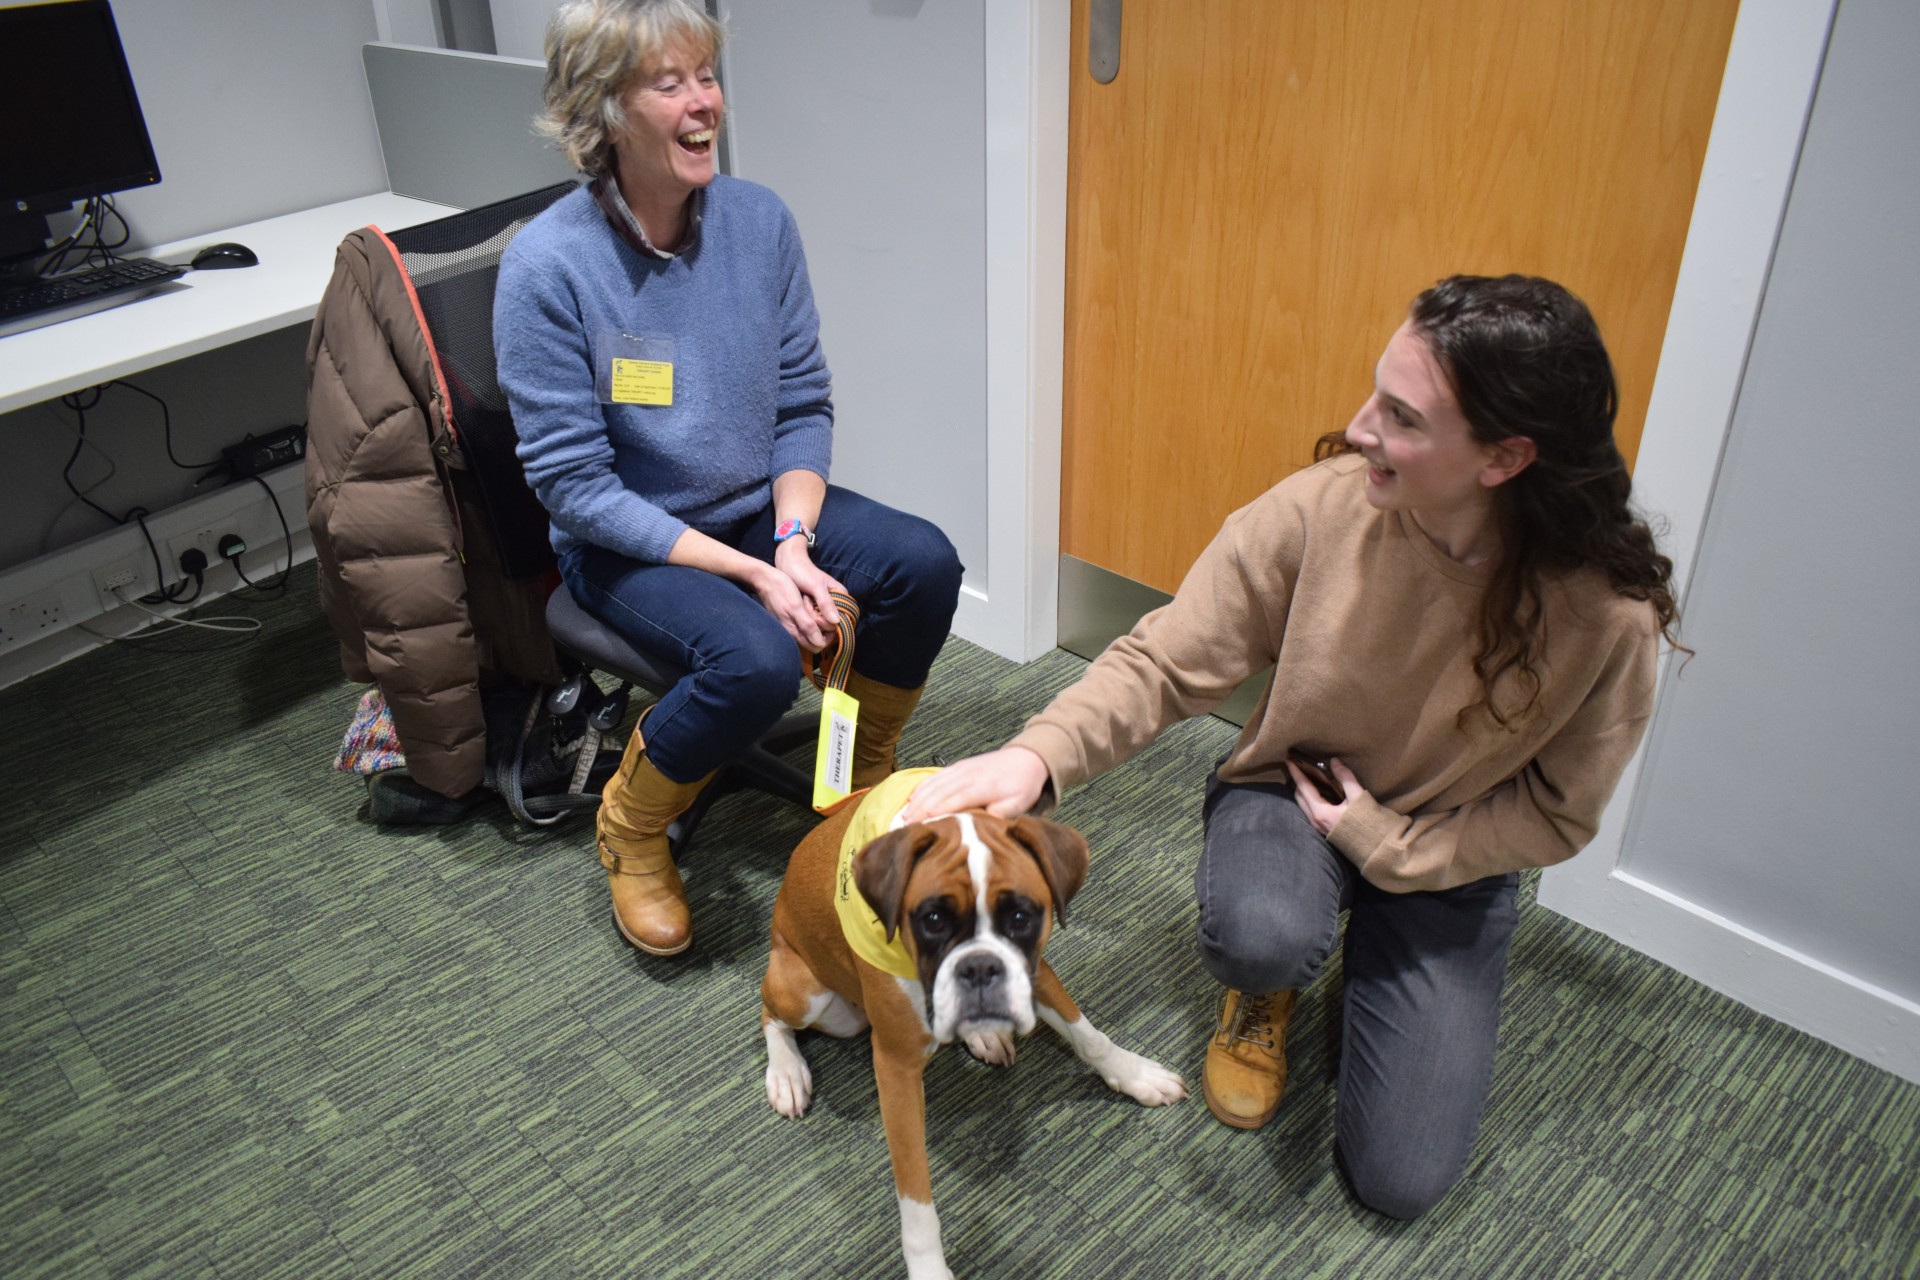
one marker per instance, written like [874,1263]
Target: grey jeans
[1423,978]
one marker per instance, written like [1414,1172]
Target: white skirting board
[1873,1024]
[72,614]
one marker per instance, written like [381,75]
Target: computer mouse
[217,257]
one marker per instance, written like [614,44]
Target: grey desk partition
[457,128]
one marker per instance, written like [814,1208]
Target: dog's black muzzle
[980,982]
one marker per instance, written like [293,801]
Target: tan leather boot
[884,709]
[637,806]
[1246,1069]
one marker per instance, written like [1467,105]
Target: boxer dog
[927,933]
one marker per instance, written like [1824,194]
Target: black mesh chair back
[454,264]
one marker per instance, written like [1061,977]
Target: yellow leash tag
[833,758]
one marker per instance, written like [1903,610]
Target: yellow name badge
[833,758]
[642,382]
[633,368]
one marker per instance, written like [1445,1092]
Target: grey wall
[519,27]
[869,119]
[466,24]
[1782,762]
[255,110]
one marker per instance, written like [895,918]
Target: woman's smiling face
[1421,450]
[673,114]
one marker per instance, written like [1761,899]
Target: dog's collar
[866,933]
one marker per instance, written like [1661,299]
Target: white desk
[205,310]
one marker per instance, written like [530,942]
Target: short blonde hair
[595,49]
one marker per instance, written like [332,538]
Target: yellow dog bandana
[866,932]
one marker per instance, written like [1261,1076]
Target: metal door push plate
[1103,40]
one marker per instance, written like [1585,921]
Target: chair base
[760,769]
[585,643]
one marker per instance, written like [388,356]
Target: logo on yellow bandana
[866,932]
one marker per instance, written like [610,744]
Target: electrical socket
[256,526]
[208,540]
[129,573]
[30,617]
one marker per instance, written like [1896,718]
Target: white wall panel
[870,122]
[1760,843]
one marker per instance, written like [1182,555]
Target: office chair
[454,264]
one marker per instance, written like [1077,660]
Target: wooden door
[1257,196]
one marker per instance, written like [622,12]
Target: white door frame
[1013,608]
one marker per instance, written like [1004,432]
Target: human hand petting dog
[1006,783]
[1321,812]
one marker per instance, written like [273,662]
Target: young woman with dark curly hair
[1463,614]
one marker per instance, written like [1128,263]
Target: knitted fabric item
[371,745]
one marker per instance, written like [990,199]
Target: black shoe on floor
[396,800]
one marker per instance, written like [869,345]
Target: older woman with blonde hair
[660,350]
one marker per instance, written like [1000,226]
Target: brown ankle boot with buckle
[884,709]
[1246,1070]
[636,808]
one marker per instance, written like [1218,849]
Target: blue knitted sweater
[751,395]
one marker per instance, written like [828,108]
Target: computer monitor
[73,124]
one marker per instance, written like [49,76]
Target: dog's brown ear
[1062,854]
[882,869]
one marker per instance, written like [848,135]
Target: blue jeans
[1424,973]
[743,669]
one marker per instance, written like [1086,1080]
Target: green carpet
[247,1034]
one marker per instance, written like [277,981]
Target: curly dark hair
[1523,357]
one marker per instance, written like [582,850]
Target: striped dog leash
[829,668]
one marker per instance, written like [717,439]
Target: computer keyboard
[79,292]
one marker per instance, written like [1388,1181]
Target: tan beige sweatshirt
[1371,631]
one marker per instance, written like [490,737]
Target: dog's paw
[1142,1079]
[790,1087]
[789,1079]
[995,1048]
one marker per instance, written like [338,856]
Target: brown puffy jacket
[409,576]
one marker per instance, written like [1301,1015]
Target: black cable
[110,248]
[75,403]
[78,239]
[166,594]
[56,258]
[271,590]
[166,425]
[80,402]
[89,236]
[100,251]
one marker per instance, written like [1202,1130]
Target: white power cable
[176,623]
